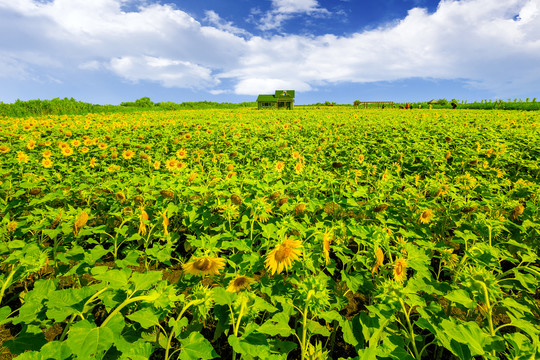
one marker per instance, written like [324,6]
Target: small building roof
[279,94]
[266,98]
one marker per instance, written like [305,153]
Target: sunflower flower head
[80,222]
[426,216]
[46,163]
[142,218]
[379,259]
[204,266]
[283,256]
[240,283]
[400,270]
[165,223]
[327,239]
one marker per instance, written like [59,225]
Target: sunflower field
[335,233]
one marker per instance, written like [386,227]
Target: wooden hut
[281,99]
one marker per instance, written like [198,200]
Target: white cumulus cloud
[492,45]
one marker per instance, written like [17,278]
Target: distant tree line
[71,106]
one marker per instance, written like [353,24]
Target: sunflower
[4,149]
[67,151]
[156,165]
[128,154]
[448,258]
[179,165]
[426,216]
[80,222]
[62,145]
[204,266]
[400,270]
[298,167]
[240,283]
[283,256]
[326,246]
[181,154]
[84,149]
[46,163]
[142,218]
[22,157]
[102,146]
[165,223]
[170,164]
[88,142]
[31,145]
[280,166]
[47,153]
[93,162]
[379,259]
[75,143]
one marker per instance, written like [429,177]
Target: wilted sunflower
[165,223]
[4,149]
[142,218]
[327,238]
[283,256]
[379,256]
[426,216]
[240,283]
[400,270]
[80,222]
[204,266]
[518,211]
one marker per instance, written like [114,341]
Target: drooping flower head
[240,283]
[327,238]
[379,259]
[283,256]
[426,216]
[204,266]
[400,270]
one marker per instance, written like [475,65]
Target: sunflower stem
[169,340]
[411,331]
[303,345]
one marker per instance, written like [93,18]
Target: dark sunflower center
[202,264]
[283,253]
[240,282]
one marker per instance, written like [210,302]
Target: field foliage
[312,234]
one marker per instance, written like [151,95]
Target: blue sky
[110,51]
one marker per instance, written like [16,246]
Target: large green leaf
[196,347]
[461,297]
[255,344]
[146,317]
[86,340]
[277,325]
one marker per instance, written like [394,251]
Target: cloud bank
[492,45]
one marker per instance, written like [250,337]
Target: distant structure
[365,104]
[281,99]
